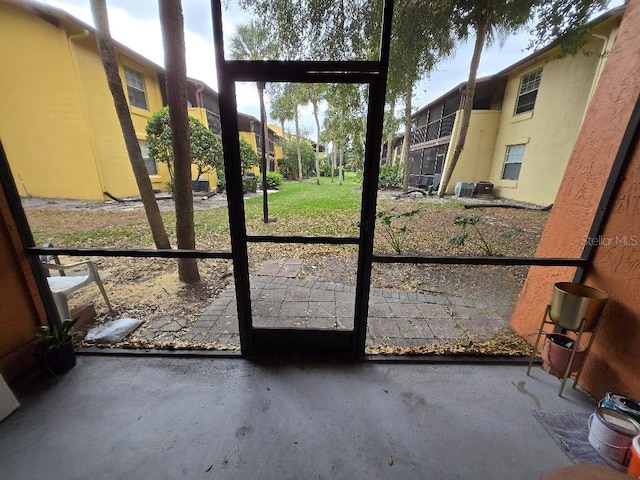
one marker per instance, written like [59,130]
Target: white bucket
[611,433]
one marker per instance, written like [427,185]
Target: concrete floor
[170,418]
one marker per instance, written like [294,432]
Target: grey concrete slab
[168,418]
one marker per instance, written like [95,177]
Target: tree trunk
[295,119]
[172,24]
[341,168]
[333,161]
[108,56]
[265,131]
[264,162]
[284,135]
[404,158]
[481,32]
[390,159]
[315,115]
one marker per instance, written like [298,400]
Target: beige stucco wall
[551,129]
[474,163]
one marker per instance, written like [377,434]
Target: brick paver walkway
[397,318]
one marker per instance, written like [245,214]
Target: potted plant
[54,353]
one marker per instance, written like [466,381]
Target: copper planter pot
[556,356]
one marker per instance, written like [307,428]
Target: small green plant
[56,335]
[54,352]
[249,184]
[389,176]
[479,239]
[395,235]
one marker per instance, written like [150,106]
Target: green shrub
[274,181]
[249,184]
[389,176]
[288,168]
[325,169]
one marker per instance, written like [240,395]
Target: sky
[136,25]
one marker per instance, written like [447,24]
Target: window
[528,92]
[135,88]
[513,162]
[150,163]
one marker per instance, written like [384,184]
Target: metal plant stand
[576,308]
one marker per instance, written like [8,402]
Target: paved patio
[280,299]
[396,318]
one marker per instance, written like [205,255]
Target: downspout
[602,60]
[92,142]
[199,99]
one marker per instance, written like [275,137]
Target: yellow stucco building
[524,122]
[57,120]
[250,130]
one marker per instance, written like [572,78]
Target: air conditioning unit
[464,189]
[483,188]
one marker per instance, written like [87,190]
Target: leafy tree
[548,20]
[248,156]
[289,162]
[172,25]
[206,149]
[350,30]
[420,37]
[345,30]
[110,63]
[344,123]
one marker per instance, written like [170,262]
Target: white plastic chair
[63,285]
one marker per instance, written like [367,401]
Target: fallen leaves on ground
[503,343]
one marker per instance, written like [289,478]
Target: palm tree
[110,63]
[172,24]
[283,108]
[313,93]
[254,41]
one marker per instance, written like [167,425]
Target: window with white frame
[513,162]
[150,163]
[529,85]
[135,88]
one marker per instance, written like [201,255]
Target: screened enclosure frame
[255,340]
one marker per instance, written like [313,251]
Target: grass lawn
[305,208]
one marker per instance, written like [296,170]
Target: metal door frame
[372,73]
